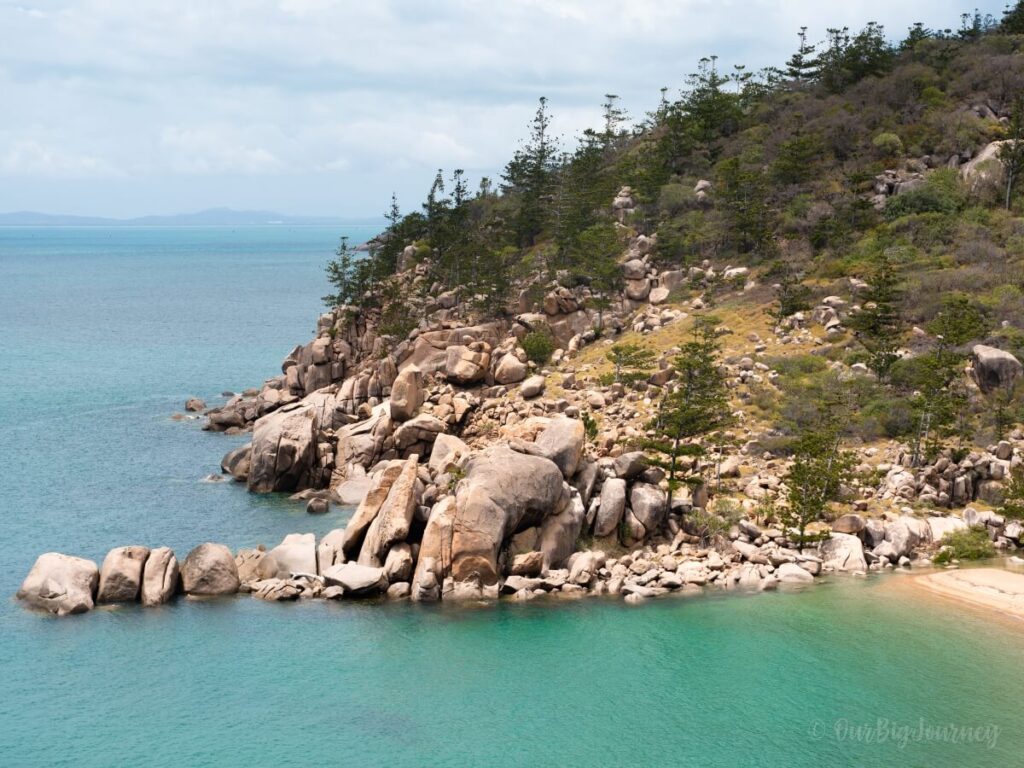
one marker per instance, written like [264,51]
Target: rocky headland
[476,473]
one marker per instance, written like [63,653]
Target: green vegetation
[819,469]
[539,346]
[839,173]
[631,362]
[696,405]
[969,544]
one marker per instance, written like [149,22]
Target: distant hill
[209,217]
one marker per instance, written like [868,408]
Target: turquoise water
[104,333]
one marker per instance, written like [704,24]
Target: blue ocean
[105,332]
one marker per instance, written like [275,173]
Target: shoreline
[990,589]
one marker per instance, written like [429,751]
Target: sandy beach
[991,588]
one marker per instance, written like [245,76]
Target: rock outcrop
[61,584]
[209,569]
[121,575]
[160,577]
[284,450]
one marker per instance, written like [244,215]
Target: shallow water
[104,333]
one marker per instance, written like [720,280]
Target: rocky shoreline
[478,471]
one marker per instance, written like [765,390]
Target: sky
[317,107]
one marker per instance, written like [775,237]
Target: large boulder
[447,450]
[398,564]
[791,573]
[559,532]
[612,505]
[843,552]
[464,366]
[940,526]
[503,492]
[160,577]
[329,551]
[994,368]
[209,569]
[393,521]
[295,554]
[406,394]
[630,465]
[510,370]
[533,387]
[423,428]
[362,443]
[649,504]
[905,535]
[283,450]
[121,575]
[370,506]
[60,584]
[236,462]
[562,442]
[435,555]
[357,579]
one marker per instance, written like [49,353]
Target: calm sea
[103,335]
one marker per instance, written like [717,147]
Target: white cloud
[30,158]
[209,149]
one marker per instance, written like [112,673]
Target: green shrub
[888,145]
[940,193]
[970,544]
[539,346]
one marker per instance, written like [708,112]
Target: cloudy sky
[130,107]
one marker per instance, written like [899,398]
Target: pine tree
[1011,154]
[614,117]
[631,361]
[791,295]
[1013,19]
[349,276]
[878,326]
[742,190]
[819,469]
[530,174]
[696,405]
[802,66]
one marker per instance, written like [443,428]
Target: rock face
[392,522]
[236,463]
[367,510]
[406,394]
[295,554]
[209,569]
[160,577]
[61,584]
[844,552]
[465,366]
[121,575]
[503,493]
[649,504]
[357,579]
[435,556]
[613,504]
[994,368]
[329,552]
[283,450]
[562,442]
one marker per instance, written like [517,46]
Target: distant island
[208,217]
